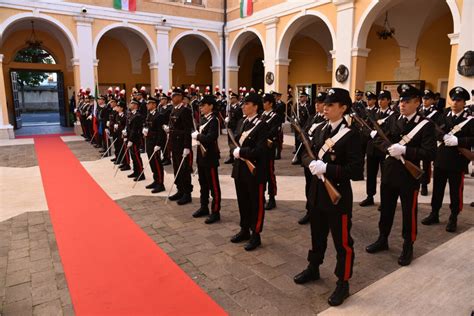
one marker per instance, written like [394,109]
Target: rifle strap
[408,137]
[459,126]
[331,141]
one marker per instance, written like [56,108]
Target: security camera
[84,10]
[163,20]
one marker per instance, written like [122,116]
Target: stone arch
[239,42]
[206,39]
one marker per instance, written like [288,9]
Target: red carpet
[112,267]
[44,135]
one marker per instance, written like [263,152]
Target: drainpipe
[224,47]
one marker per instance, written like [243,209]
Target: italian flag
[129,5]
[246,8]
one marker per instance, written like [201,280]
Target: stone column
[359,62]
[6,130]
[170,76]
[153,76]
[460,43]
[233,78]
[343,45]
[163,59]
[85,54]
[216,77]
[281,77]
[270,50]
[96,76]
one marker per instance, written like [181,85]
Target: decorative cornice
[215,68]
[282,62]
[161,29]
[361,52]
[343,5]
[271,23]
[153,65]
[454,38]
[83,20]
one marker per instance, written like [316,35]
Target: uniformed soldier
[375,156]
[428,110]
[280,110]
[103,117]
[412,139]
[208,161]
[180,129]
[359,104]
[155,139]
[310,130]
[272,119]
[232,119]
[250,188]
[339,161]
[305,110]
[165,108]
[120,129]
[135,136]
[112,104]
[450,165]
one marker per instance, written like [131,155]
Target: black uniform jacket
[272,120]
[181,125]
[380,118]
[208,135]
[235,115]
[134,129]
[156,135]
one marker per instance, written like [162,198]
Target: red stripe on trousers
[137,155]
[216,192]
[461,187]
[413,216]
[272,176]
[258,227]
[345,244]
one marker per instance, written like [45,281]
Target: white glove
[166,128]
[317,168]
[156,148]
[446,136]
[186,151]
[194,134]
[107,124]
[451,141]
[115,126]
[129,144]
[236,153]
[89,117]
[373,133]
[145,131]
[227,119]
[124,133]
[397,150]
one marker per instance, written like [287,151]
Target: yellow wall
[15,42]
[203,73]
[115,66]
[383,57]
[434,51]
[308,62]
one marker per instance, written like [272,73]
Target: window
[196,2]
[35,55]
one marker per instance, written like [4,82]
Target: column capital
[454,38]
[153,65]
[361,52]
[1,58]
[171,66]
[215,68]
[75,61]
[282,62]
[83,20]
[233,68]
[272,22]
[342,5]
[95,62]
[333,53]
[161,29]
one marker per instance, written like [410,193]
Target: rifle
[334,195]
[203,150]
[413,169]
[249,164]
[469,155]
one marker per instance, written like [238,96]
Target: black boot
[125,168]
[151,185]
[140,178]
[159,188]
[229,160]
[340,293]
[253,243]
[369,200]
[185,199]
[431,219]
[311,273]
[379,245]
[132,175]
[214,217]
[278,155]
[407,254]
[452,223]
[271,204]
[178,195]
[242,235]
[424,190]
[202,211]
[113,159]
[304,220]
[296,162]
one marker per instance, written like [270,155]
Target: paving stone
[38,254]
[18,277]
[17,293]
[44,293]
[51,308]
[19,308]
[39,278]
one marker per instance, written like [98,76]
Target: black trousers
[340,226]
[280,142]
[121,152]
[308,176]
[373,165]
[136,158]
[209,181]
[155,163]
[250,198]
[426,177]
[183,180]
[297,142]
[409,200]
[271,179]
[456,188]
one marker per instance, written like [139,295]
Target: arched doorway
[306,46]
[37,69]
[419,51]
[125,56]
